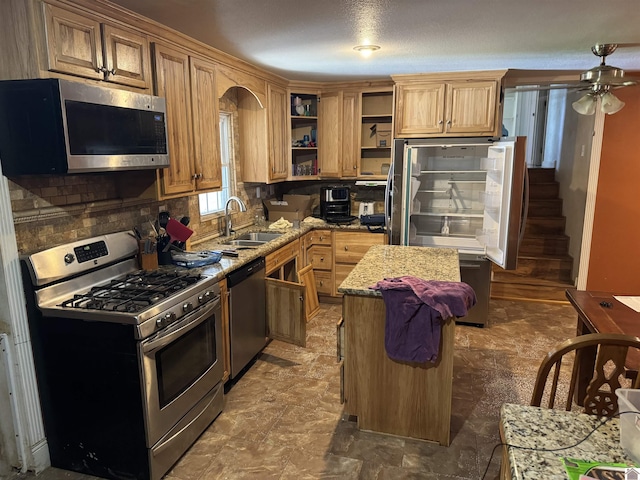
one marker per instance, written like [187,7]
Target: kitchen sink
[245,243]
[262,237]
[252,239]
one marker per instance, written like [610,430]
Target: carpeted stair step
[552,268]
[545,207]
[541,175]
[545,225]
[544,190]
[529,289]
[540,245]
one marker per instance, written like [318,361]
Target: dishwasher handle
[244,272]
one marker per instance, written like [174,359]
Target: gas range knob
[159,322]
[170,317]
[205,297]
[69,258]
[187,307]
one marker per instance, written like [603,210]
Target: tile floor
[283,418]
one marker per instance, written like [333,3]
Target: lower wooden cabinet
[285,296]
[348,250]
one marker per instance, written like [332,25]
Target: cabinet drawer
[350,247]
[320,257]
[275,260]
[324,285]
[319,237]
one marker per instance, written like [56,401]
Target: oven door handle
[189,323]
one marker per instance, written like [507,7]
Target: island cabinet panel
[399,398]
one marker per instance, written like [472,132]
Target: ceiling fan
[598,82]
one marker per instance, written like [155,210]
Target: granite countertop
[388,261]
[537,427]
[247,254]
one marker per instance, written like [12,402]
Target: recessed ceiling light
[366,50]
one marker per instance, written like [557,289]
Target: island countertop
[388,261]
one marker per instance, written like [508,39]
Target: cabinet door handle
[322,259]
[112,71]
[321,283]
[346,248]
[448,122]
[354,167]
[440,122]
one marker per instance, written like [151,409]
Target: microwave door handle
[200,316]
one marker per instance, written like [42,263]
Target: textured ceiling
[314,40]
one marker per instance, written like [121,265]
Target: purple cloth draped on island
[415,309]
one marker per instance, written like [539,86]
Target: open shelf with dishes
[376,136]
[304,128]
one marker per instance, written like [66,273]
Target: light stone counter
[542,428]
[388,261]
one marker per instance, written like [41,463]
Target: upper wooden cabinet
[277,105]
[188,85]
[441,105]
[330,135]
[82,46]
[206,126]
[350,137]
[264,155]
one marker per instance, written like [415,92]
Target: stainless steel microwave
[54,126]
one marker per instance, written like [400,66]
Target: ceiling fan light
[586,105]
[610,104]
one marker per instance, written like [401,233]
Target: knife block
[147,261]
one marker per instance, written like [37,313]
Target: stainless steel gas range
[128,362]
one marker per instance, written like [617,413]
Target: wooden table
[596,318]
[542,428]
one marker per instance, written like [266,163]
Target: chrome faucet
[243,208]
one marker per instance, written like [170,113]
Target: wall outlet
[257,192]
[162,208]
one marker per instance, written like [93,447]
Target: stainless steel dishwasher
[247,314]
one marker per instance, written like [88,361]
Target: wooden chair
[599,361]
[312,304]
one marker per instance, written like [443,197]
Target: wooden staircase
[544,265]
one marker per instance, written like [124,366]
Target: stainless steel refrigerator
[467,194]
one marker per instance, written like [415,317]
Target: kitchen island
[399,398]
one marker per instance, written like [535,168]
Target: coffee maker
[335,204]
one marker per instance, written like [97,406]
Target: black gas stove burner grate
[133,292]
